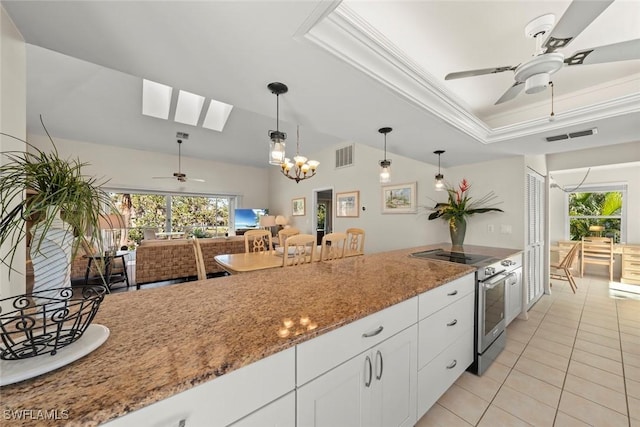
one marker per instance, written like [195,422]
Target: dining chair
[597,250]
[285,233]
[562,269]
[299,249]
[333,246]
[355,242]
[257,241]
[200,266]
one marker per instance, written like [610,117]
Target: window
[197,215]
[599,206]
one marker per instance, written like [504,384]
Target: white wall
[384,231]
[12,121]
[133,169]
[505,178]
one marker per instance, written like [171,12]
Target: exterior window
[601,209]
[199,216]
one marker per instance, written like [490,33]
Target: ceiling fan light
[537,83]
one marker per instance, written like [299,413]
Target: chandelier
[300,168]
[276,147]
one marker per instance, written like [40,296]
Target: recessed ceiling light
[156,99]
[217,115]
[189,108]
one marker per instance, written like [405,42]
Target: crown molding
[346,35]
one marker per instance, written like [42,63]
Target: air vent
[344,156]
[182,135]
[578,134]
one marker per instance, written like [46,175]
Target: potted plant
[459,207]
[64,206]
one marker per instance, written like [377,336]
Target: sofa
[158,260]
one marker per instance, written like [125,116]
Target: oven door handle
[495,283]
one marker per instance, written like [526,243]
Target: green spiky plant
[53,185]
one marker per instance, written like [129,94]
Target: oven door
[491,307]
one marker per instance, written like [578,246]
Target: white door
[534,244]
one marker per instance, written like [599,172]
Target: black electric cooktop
[459,257]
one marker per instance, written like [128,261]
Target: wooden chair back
[200,267]
[562,270]
[333,246]
[285,233]
[299,249]
[355,242]
[257,241]
[597,250]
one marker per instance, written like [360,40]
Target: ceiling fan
[534,75]
[181,177]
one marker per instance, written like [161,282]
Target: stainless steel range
[492,277]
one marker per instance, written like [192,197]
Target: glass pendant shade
[277,145]
[276,150]
[385,171]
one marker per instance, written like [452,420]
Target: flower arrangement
[461,206]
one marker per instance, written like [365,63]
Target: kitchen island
[167,340]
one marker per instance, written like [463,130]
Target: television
[248,219]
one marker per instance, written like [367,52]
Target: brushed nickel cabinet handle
[373,333]
[379,357]
[453,293]
[367,382]
[453,364]
[453,322]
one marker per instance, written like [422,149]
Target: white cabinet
[375,388]
[224,400]
[513,295]
[445,338]
[281,413]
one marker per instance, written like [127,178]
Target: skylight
[189,108]
[156,99]
[217,115]
[156,102]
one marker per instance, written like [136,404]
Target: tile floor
[575,362]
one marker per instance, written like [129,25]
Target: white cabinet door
[336,398]
[395,381]
[375,388]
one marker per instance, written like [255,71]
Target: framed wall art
[298,206]
[348,204]
[399,198]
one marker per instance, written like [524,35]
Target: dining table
[249,261]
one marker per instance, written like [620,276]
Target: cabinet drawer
[631,264]
[435,378]
[631,250]
[440,297]
[316,356]
[439,330]
[221,401]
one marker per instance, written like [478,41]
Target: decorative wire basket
[44,321]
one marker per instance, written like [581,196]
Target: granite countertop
[169,339]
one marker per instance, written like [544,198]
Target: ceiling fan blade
[576,18]
[623,51]
[479,72]
[511,93]
[196,179]
[163,177]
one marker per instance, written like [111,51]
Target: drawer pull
[453,322]
[453,364]
[379,357]
[367,382]
[453,293]
[373,333]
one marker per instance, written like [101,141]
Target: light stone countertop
[169,339]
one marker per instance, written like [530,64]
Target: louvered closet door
[534,255]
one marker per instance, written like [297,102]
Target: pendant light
[439,177]
[277,145]
[385,165]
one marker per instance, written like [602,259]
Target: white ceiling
[350,71]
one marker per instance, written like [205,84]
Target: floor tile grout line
[624,378]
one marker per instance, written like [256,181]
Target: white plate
[13,371]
